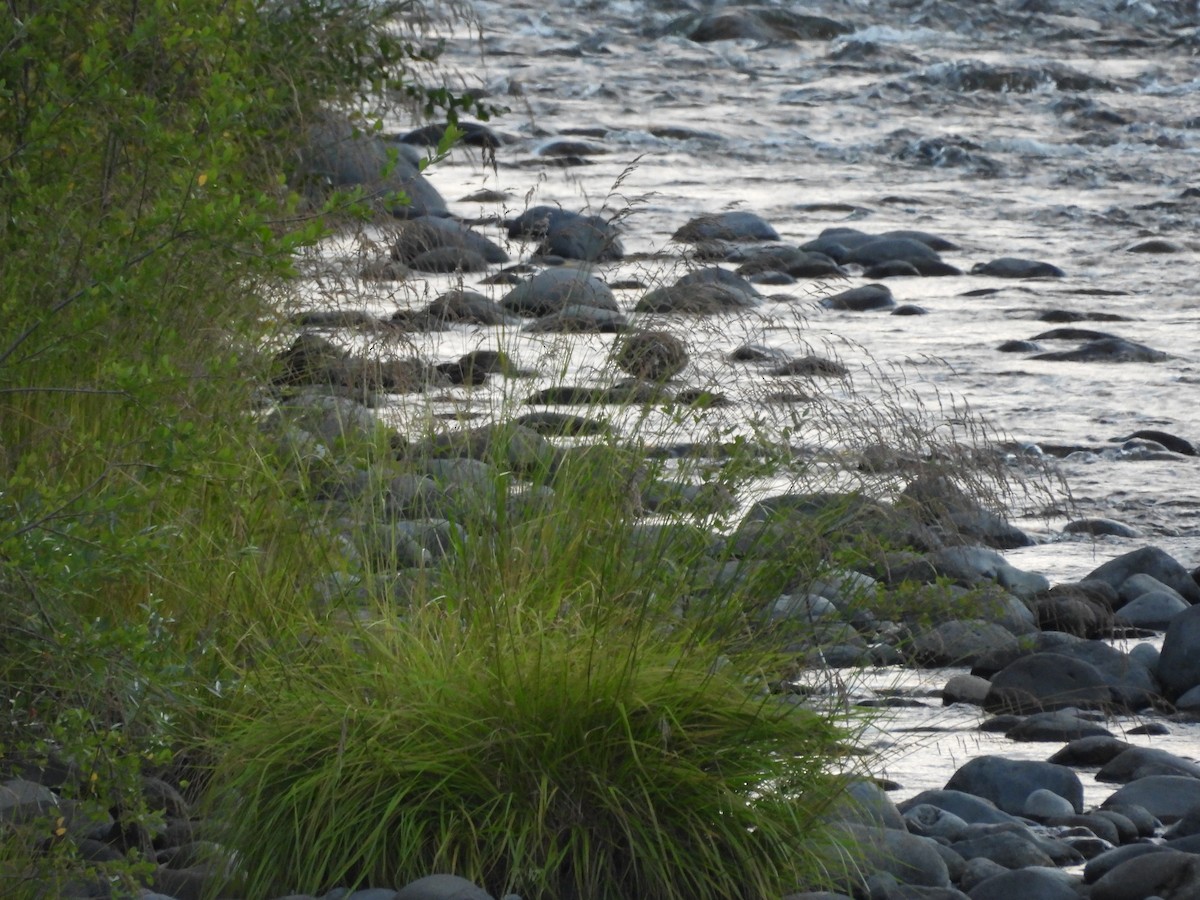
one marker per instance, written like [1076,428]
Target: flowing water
[1062,132]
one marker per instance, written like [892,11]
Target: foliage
[146,225]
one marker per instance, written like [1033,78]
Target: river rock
[1141,762]
[1134,687]
[928,820]
[1043,804]
[1099,866]
[726,226]
[1169,875]
[1106,350]
[577,318]
[1090,751]
[972,809]
[423,237]
[810,367]
[1179,660]
[442,887]
[759,24]
[1057,725]
[1012,267]
[965,689]
[861,299]
[578,236]
[958,642]
[652,355]
[553,290]
[1007,848]
[907,857]
[337,155]
[1008,783]
[1048,681]
[458,307]
[1150,561]
[789,260]
[1036,883]
[1154,610]
[1166,797]
[699,297]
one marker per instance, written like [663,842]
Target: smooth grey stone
[906,857]
[978,870]
[1043,804]
[965,689]
[1170,874]
[1090,751]
[1166,797]
[553,290]
[1111,349]
[1006,848]
[1013,267]
[959,642]
[1047,681]
[1037,883]
[373,894]
[726,226]
[970,808]
[427,234]
[866,803]
[442,887]
[1189,824]
[1150,561]
[1179,660]
[1141,762]
[1102,827]
[1145,655]
[1008,782]
[931,821]
[1189,701]
[1154,610]
[1133,685]
[1058,725]
[1141,583]
[577,318]
[1100,865]
[1095,526]
[861,299]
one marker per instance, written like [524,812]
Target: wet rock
[971,75]
[810,367]
[958,642]
[1013,267]
[1008,783]
[726,226]
[1098,526]
[1074,609]
[893,268]
[910,859]
[758,24]
[337,155]
[1166,797]
[459,307]
[554,290]
[1169,875]
[446,260]
[1099,866]
[336,318]
[417,240]
[1018,347]
[1153,610]
[1106,350]
[1048,681]
[1141,762]
[965,689]
[970,808]
[1042,804]
[791,261]
[474,134]
[1039,883]
[570,235]
[442,887]
[1090,751]
[1155,245]
[694,299]
[1150,561]
[1007,848]
[1058,726]
[928,820]
[861,299]
[1172,442]
[650,355]
[575,318]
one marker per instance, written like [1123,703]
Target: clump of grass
[545,756]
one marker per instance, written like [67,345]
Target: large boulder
[1048,681]
[1179,661]
[1167,797]
[1008,782]
[553,290]
[1169,875]
[336,155]
[1149,561]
